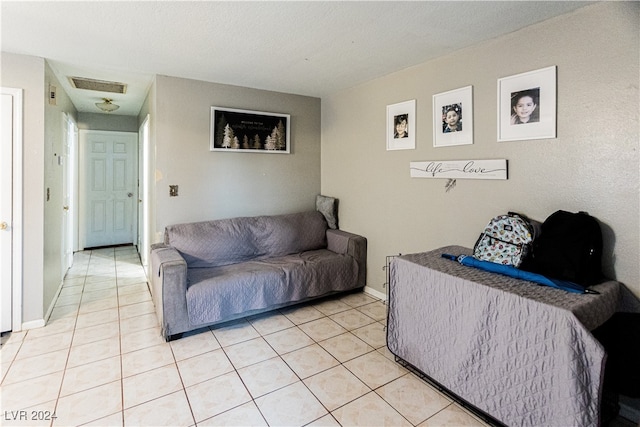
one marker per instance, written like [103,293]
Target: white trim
[54,300]
[376,293]
[33,324]
[144,239]
[17,226]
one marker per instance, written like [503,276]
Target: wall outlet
[173,191]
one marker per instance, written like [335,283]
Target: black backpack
[569,248]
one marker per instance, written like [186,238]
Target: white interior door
[110,188]
[6,210]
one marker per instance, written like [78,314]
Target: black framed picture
[249,131]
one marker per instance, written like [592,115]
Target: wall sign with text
[460,169]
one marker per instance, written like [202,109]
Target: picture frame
[401,126]
[527,105]
[247,131]
[453,117]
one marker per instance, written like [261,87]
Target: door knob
[66,208]
[3,225]
[129,194]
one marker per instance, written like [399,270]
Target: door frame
[17,207]
[70,195]
[143,192]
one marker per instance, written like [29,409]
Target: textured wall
[111,122]
[216,185]
[592,165]
[54,148]
[27,73]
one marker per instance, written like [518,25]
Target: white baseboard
[47,315]
[33,324]
[376,293]
[630,409]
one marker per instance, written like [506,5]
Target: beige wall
[592,165]
[27,73]
[54,147]
[109,122]
[43,143]
[216,185]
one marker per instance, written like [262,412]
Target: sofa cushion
[322,271]
[218,293]
[235,240]
[288,234]
[213,243]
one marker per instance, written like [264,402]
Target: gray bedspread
[518,351]
[220,292]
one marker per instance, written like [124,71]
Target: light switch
[173,191]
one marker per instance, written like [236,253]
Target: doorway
[11,210]
[69,185]
[143,188]
[108,188]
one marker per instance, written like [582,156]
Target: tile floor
[101,361]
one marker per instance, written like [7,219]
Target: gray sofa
[214,271]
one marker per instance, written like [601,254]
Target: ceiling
[311,48]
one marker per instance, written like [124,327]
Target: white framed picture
[401,126]
[453,117]
[527,105]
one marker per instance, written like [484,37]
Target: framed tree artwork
[234,130]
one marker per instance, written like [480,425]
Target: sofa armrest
[354,245]
[169,289]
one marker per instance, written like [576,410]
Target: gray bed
[517,351]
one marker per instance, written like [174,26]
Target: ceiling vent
[97,85]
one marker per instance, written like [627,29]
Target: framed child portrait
[453,117]
[527,105]
[401,126]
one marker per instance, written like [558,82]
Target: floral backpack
[507,240]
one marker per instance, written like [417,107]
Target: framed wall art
[401,126]
[453,117]
[527,105]
[460,169]
[249,131]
